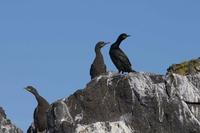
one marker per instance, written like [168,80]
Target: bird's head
[31,89]
[100,44]
[123,36]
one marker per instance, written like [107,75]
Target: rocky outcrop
[5,124]
[185,67]
[137,102]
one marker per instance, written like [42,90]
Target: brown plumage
[40,111]
[98,67]
[118,57]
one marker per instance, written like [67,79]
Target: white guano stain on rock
[79,117]
[62,112]
[104,127]
[186,89]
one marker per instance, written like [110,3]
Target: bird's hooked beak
[105,44]
[27,88]
[125,36]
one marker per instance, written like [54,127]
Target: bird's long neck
[99,56]
[118,41]
[41,100]
[116,44]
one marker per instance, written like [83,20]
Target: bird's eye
[124,36]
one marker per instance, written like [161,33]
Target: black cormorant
[40,111]
[118,57]
[98,67]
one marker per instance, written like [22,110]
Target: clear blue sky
[50,44]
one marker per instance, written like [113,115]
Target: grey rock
[5,124]
[132,103]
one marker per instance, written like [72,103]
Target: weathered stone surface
[185,67]
[5,124]
[134,102]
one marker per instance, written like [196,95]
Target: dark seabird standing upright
[118,57]
[40,111]
[98,67]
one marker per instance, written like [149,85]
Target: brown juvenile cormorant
[118,57]
[40,111]
[98,67]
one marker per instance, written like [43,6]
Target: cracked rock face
[135,102]
[5,124]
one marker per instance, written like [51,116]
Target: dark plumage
[40,111]
[98,67]
[118,57]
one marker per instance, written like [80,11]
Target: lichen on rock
[185,67]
